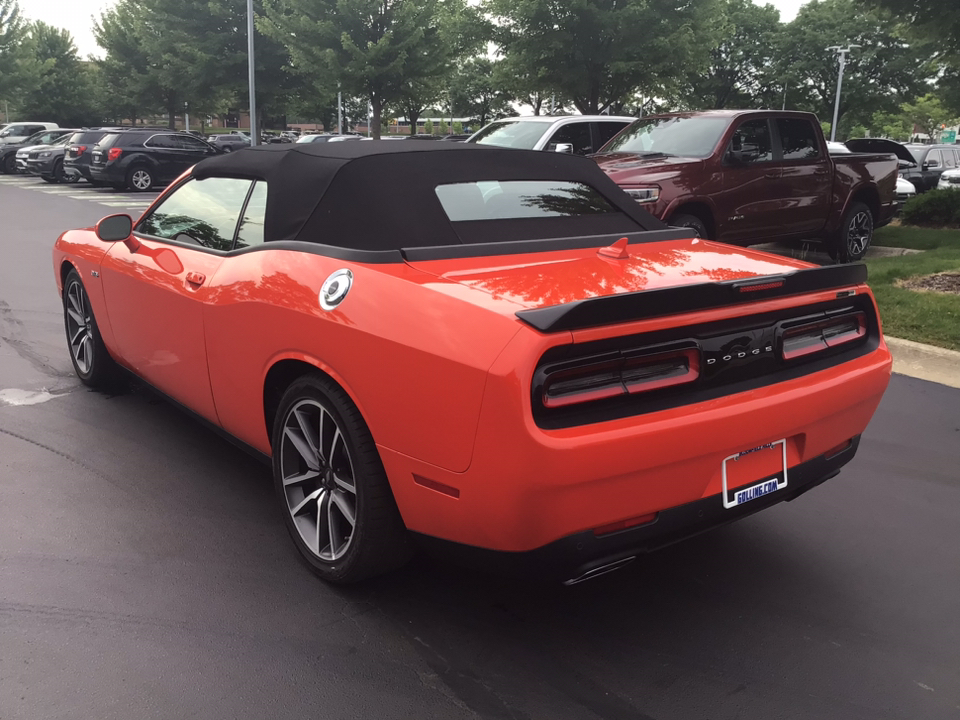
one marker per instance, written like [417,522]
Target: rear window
[108,140]
[86,138]
[493,200]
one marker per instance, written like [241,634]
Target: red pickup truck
[747,177]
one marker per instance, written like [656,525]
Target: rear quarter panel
[856,172]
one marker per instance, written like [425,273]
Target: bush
[936,208]
[457,127]
[428,127]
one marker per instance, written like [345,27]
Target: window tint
[493,200]
[752,139]
[798,139]
[167,142]
[512,133]
[949,159]
[251,227]
[606,131]
[87,138]
[933,159]
[190,143]
[201,211]
[576,134]
[108,140]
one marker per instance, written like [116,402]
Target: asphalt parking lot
[145,572]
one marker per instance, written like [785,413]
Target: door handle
[195,278]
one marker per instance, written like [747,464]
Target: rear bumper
[584,555]
[107,173]
[887,213]
[76,169]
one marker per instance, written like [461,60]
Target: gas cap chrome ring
[335,288]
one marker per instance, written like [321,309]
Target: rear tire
[692,222]
[853,239]
[10,164]
[331,486]
[140,179]
[89,355]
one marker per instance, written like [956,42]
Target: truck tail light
[815,337]
[113,154]
[615,375]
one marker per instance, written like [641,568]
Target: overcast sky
[75,16]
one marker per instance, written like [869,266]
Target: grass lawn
[925,317]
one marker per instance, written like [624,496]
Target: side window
[167,142]
[606,131]
[933,159]
[577,134]
[205,212]
[189,143]
[31,129]
[949,159]
[251,226]
[751,142]
[798,139]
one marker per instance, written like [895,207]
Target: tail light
[79,149]
[113,154]
[615,374]
[814,337]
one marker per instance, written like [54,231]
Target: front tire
[692,222]
[10,164]
[331,486]
[140,179]
[89,355]
[854,236]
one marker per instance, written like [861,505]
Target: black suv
[932,160]
[76,160]
[143,159]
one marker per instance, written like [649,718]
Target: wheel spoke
[75,316]
[345,483]
[304,423]
[323,458]
[333,445]
[343,504]
[302,447]
[302,477]
[315,495]
[333,529]
[78,336]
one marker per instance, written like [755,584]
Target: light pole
[842,52]
[251,68]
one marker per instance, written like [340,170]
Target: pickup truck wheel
[692,222]
[855,235]
[330,483]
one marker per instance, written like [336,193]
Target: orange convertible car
[493,351]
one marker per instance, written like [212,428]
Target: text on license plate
[753,473]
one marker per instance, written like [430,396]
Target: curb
[925,362]
[814,252]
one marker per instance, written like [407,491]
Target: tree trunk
[171,114]
[377,112]
[413,117]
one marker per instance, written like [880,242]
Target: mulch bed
[944,282]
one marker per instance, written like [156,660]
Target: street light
[842,52]
[251,65]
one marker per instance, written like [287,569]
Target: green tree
[59,88]
[13,50]
[370,47]
[427,127]
[600,52]
[928,115]
[479,91]
[891,125]
[934,20]
[882,73]
[737,72]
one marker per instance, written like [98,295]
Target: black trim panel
[517,247]
[575,555]
[615,309]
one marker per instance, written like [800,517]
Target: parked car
[932,161]
[509,358]
[455,137]
[79,153]
[326,138]
[577,134]
[24,153]
[230,142]
[140,160]
[16,132]
[949,180]
[746,177]
[8,152]
[47,161]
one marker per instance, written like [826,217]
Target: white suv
[18,131]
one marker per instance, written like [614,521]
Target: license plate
[753,473]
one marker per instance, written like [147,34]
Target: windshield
[687,136]
[918,153]
[512,134]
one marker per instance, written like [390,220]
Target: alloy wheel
[79,327]
[318,479]
[141,180]
[859,232]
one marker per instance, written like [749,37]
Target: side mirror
[565,148]
[117,228]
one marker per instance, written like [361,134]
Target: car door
[930,170]
[155,295]
[749,195]
[194,150]
[806,177]
[167,154]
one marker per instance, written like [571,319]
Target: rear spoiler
[627,307]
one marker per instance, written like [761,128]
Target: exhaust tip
[600,570]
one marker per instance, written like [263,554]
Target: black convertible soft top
[382,195]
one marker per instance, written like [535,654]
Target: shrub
[428,127]
[457,127]
[443,127]
[936,208]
